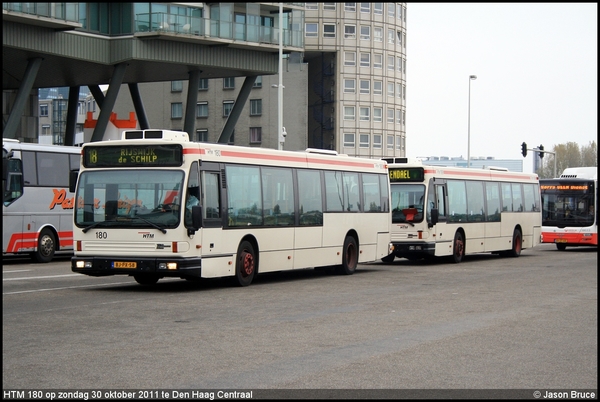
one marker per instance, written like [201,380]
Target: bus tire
[245,266]
[46,246]
[517,244]
[146,279]
[349,256]
[561,246]
[458,249]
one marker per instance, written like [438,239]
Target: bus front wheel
[46,246]
[561,246]
[458,251]
[245,266]
[146,279]
[349,256]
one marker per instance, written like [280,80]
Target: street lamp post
[471,77]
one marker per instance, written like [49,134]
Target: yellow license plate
[123,264]
[560,240]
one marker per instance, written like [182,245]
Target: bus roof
[580,173]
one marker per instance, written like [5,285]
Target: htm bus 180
[155,205]
[454,211]
[569,208]
[37,210]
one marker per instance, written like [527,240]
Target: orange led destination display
[406,174]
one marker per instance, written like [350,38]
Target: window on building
[399,11]
[255,107]
[399,63]
[399,116]
[329,30]
[365,114]
[363,141]
[202,109]
[257,82]
[350,7]
[46,129]
[399,90]
[43,109]
[390,62]
[390,115]
[377,114]
[365,86]
[350,86]
[176,86]
[329,6]
[391,9]
[376,141]
[399,38]
[227,107]
[201,135]
[255,135]
[176,110]
[403,118]
[349,140]
[365,59]
[349,58]
[350,31]
[390,36]
[365,32]
[404,92]
[203,84]
[311,6]
[378,61]
[390,142]
[311,30]
[378,87]
[229,83]
[365,7]
[349,113]
[390,89]
[378,34]
[378,8]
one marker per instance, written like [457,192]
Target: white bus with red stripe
[258,210]
[454,211]
[37,206]
[570,208]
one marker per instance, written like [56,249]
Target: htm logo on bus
[147,235]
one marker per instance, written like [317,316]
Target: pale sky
[537,77]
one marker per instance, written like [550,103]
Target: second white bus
[453,211]
[258,210]
[37,206]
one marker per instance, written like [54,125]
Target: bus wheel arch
[47,245]
[246,264]
[458,246]
[350,252]
[561,246]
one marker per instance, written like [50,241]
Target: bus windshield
[567,209]
[407,202]
[129,198]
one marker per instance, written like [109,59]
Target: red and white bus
[453,211]
[258,210]
[569,208]
[37,210]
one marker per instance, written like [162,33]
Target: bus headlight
[83,264]
[167,265]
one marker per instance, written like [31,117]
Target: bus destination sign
[406,174]
[132,155]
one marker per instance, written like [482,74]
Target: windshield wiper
[154,225]
[93,225]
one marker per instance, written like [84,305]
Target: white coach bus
[454,211]
[155,205]
[37,210]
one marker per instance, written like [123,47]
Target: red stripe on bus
[27,240]
[284,158]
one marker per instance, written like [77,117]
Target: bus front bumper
[162,267]
[413,249]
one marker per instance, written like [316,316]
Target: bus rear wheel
[517,244]
[245,266]
[349,256]
[458,251]
[46,246]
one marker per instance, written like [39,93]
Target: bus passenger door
[441,231]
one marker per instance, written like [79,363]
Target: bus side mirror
[435,216]
[196,217]
[73,174]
